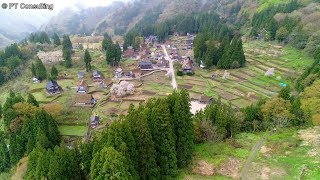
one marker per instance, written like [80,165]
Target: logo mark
[4,6]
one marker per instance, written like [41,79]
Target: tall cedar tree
[4,154]
[120,137]
[113,55]
[146,163]
[33,70]
[163,137]
[109,164]
[32,100]
[87,60]
[67,50]
[64,164]
[54,73]
[183,127]
[41,72]
[1,111]
[106,42]
[56,39]
[44,122]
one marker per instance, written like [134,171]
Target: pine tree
[67,50]
[41,72]
[1,111]
[285,93]
[87,60]
[120,137]
[164,138]
[32,100]
[183,128]
[147,165]
[106,42]
[86,154]
[54,73]
[4,154]
[33,70]
[41,139]
[56,39]
[67,58]
[109,164]
[211,55]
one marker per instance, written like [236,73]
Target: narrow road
[173,75]
[254,151]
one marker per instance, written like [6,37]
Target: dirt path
[131,79]
[246,167]
[173,75]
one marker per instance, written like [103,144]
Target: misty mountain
[16,25]
[120,17]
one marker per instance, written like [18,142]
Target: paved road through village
[173,75]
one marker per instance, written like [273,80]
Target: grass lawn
[296,59]
[73,130]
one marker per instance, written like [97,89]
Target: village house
[145,65]
[80,75]
[97,76]
[53,87]
[106,83]
[187,67]
[84,100]
[127,74]
[83,87]
[129,53]
[136,72]
[94,121]
[163,63]
[118,73]
[205,99]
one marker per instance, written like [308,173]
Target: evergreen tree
[113,55]
[1,111]
[163,136]
[106,42]
[41,139]
[109,164]
[67,50]
[86,154]
[38,164]
[4,154]
[120,137]
[41,72]
[183,128]
[54,73]
[67,58]
[16,149]
[64,164]
[285,93]
[56,39]
[146,162]
[33,70]
[87,60]
[211,55]
[32,100]
[200,47]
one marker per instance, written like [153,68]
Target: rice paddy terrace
[246,85]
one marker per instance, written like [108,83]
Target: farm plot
[225,95]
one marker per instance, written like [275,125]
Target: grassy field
[73,130]
[288,154]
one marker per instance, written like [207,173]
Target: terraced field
[246,85]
